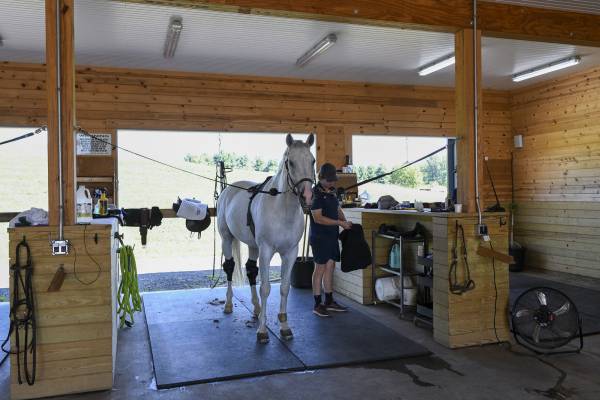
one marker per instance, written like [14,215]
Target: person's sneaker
[321,311]
[333,306]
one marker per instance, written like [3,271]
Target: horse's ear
[310,140]
[289,139]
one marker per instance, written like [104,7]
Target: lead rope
[129,300]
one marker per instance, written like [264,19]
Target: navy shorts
[325,248]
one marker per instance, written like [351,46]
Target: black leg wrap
[228,267]
[251,271]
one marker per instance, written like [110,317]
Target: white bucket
[84,205]
[388,289]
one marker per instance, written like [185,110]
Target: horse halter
[294,185]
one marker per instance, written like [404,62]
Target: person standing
[326,218]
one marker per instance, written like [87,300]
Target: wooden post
[66,55]
[465,116]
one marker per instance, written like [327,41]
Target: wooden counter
[459,320]
[77,325]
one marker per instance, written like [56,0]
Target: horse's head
[300,165]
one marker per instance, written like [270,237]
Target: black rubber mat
[192,341]
[342,339]
[586,300]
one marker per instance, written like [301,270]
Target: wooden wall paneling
[557,172]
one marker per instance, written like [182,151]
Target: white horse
[279,224]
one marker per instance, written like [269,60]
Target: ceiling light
[544,69]
[437,65]
[173,33]
[317,49]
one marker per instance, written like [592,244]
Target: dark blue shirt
[328,203]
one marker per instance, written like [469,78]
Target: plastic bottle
[103,204]
[84,205]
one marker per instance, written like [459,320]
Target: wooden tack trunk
[77,325]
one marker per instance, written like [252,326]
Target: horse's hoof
[262,337]
[228,308]
[286,334]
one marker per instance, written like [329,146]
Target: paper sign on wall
[86,146]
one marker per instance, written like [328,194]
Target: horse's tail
[240,270]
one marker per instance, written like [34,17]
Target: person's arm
[342,217]
[323,220]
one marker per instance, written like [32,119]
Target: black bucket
[518,253]
[302,272]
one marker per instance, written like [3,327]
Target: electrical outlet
[482,230]
[60,247]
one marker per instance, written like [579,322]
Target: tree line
[430,171]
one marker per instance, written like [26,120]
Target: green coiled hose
[129,297]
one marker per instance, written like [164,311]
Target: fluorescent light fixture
[437,65]
[544,69]
[173,33]
[317,49]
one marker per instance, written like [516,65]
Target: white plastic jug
[84,205]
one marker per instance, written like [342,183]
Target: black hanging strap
[22,317]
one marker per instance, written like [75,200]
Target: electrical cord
[496,294]
[90,257]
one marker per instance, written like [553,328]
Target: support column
[65,52]
[465,116]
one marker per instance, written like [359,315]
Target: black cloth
[356,253]
[323,239]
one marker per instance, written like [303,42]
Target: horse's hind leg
[252,273]
[229,264]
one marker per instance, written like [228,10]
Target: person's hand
[346,224]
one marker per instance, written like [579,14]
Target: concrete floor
[488,372]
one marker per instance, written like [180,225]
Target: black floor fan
[545,319]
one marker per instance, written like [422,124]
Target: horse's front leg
[264,259]
[287,262]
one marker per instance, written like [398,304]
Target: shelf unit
[400,272]
[425,295]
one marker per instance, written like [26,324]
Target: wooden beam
[437,15]
[66,54]
[465,116]
[539,24]
[495,19]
